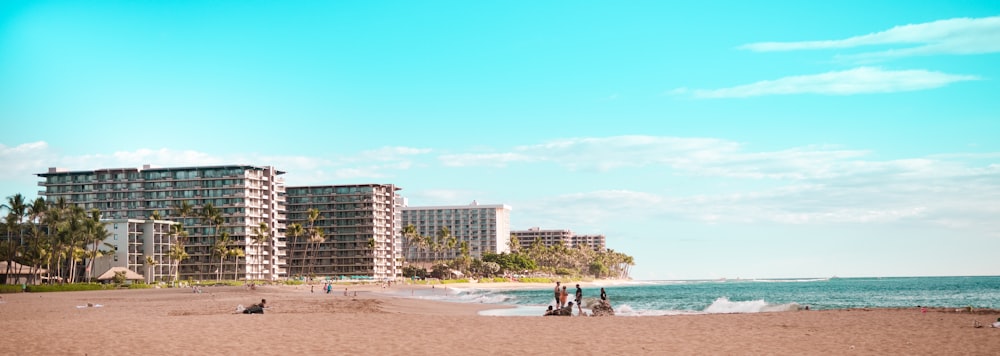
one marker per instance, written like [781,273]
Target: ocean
[642,298]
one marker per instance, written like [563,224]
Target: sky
[722,139]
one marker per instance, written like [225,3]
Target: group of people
[564,307]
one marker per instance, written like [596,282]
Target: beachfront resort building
[553,237]
[133,244]
[444,229]
[244,196]
[358,230]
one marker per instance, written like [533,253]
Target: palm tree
[16,211]
[150,262]
[261,234]
[96,233]
[312,216]
[178,236]
[464,260]
[294,231]
[236,253]
[452,242]
[155,215]
[177,254]
[413,238]
[183,209]
[514,244]
[315,238]
[441,241]
[221,247]
[74,239]
[212,216]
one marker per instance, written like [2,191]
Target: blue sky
[707,139]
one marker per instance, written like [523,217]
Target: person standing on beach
[562,297]
[579,298]
[557,293]
[604,296]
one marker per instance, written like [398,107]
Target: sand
[178,322]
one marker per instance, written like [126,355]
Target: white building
[552,237]
[485,228]
[245,195]
[130,242]
[361,231]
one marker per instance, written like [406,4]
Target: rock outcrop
[602,308]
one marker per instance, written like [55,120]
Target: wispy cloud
[808,185]
[484,159]
[862,80]
[951,36]
[687,155]
[22,162]
[796,185]
[935,193]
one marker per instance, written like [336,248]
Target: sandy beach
[179,322]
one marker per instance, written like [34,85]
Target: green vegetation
[577,263]
[452,281]
[536,280]
[8,288]
[69,287]
[56,236]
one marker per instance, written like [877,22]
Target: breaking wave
[723,305]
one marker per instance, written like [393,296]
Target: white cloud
[951,36]
[483,159]
[693,156]
[429,197]
[861,80]
[24,160]
[805,185]
[797,185]
[390,153]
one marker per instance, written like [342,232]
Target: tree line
[557,259]
[59,236]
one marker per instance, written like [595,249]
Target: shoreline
[178,322]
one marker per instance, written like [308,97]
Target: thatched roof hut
[129,274]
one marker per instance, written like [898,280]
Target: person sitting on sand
[567,310]
[256,308]
[564,311]
[549,311]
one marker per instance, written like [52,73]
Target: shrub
[74,287]
[536,280]
[7,288]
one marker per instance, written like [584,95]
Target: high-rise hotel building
[360,227]
[485,228]
[552,237]
[245,195]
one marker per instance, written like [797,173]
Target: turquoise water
[749,296]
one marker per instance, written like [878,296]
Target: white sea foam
[798,280]
[723,305]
